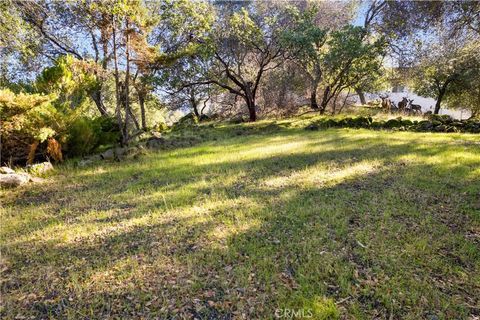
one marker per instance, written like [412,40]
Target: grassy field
[254,222]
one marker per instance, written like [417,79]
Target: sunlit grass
[336,223]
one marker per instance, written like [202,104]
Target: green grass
[257,219]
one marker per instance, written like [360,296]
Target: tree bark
[193,102]
[361,95]
[439,101]
[313,98]
[141,102]
[251,110]
[325,100]
[97,98]
[134,119]
[250,100]
[127,83]
[117,81]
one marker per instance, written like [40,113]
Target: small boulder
[154,143]
[393,123]
[236,120]
[330,123]
[108,155]
[119,152]
[40,168]
[6,170]
[425,125]
[13,180]
[37,180]
[312,127]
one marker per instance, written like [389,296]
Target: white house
[428,104]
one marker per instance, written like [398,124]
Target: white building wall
[428,104]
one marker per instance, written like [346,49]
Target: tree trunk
[325,100]
[134,119]
[195,108]
[141,102]
[193,102]
[313,98]
[361,95]
[334,108]
[250,100]
[117,81]
[439,101]
[97,98]
[251,111]
[127,83]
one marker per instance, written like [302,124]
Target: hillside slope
[339,222]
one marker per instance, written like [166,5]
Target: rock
[236,120]
[425,125]
[440,128]
[392,123]
[95,157]
[36,180]
[5,170]
[89,160]
[378,124]
[154,143]
[108,155]
[40,168]
[330,123]
[156,134]
[119,152]
[114,153]
[312,127]
[13,180]
[85,162]
[457,124]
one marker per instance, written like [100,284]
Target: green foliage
[108,134]
[435,123]
[68,79]
[61,95]
[27,118]
[449,71]
[334,58]
[353,61]
[85,135]
[31,114]
[82,136]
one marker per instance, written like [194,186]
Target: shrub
[443,119]
[28,120]
[85,135]
[393,123]
[109,133]
[399,124]
[160,127]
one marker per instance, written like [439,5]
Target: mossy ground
[256,219]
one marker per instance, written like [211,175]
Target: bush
[109,133]
[436,124]
[393,123]
[160,127]
[85,135]
[443,119]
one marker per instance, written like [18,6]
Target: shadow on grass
[362,241]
